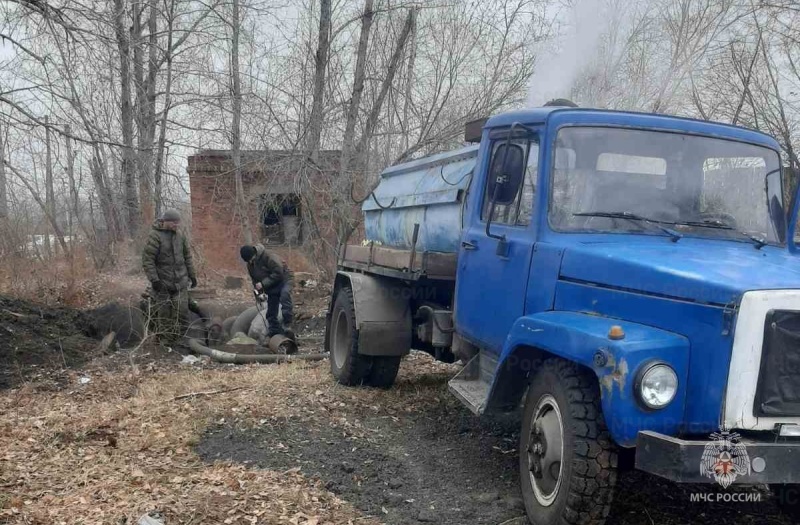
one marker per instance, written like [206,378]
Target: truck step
[471,385]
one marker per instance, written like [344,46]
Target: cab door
[494,262]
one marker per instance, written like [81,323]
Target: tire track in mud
[447,468]
[440,464]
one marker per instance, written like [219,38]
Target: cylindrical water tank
[429,192]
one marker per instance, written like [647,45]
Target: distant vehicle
[631,279]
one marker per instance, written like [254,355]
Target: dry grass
[57,280]
[122,445]
[119,447]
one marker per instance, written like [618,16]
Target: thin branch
[208,393]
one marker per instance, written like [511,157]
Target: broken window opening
[280,219]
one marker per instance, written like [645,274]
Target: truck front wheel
[567,459]
[347,365]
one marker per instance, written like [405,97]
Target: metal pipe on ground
[280,344]
[227,357]
[243,321]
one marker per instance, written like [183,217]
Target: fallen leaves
[98,456]
[122,445]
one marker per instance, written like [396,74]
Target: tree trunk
[128,168]
[49,193]
[375,112]
[143,149]
[236,138]
[105,196]
[3,190]
[358,89]
[320,68]
[73,187]
[146,105]
[412,58]
[162,133]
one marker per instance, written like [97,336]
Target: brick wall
[216,219]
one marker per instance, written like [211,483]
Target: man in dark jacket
[167,262]
[272,277]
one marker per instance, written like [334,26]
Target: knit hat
[171,215]
[247,252]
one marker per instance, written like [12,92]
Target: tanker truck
[630,282]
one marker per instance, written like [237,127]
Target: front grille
[778,391]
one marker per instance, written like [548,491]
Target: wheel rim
[546,450]
[341,339]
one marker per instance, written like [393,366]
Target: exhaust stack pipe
[562,102]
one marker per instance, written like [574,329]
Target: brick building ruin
[287,201]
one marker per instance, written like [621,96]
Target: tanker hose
[240,359]
[243,321]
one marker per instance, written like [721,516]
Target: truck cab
[629,280]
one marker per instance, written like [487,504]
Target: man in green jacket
[271,277]
[167,262]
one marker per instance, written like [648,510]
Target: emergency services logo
[724,458]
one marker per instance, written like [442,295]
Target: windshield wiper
[675,236]
[720,225]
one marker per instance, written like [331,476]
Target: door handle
[469,245]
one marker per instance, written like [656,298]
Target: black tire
[787,498]
[384,371]
[347,365]
[582,488]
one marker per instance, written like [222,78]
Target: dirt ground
[415,455]
[41,342]
[107,438]
[37,339]
[406,456]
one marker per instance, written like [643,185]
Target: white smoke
[574,47]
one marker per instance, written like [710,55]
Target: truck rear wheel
[347,365]
[384,371]
[567,459]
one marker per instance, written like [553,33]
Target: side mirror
[774,189]
[505,177]
[506,173]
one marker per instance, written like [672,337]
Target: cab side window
[515,209]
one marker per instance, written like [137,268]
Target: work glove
[194,281]
[158,286]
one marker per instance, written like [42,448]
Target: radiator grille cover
[778,391]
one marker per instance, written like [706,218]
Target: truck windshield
[700,186]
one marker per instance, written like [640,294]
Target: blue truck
[629,281]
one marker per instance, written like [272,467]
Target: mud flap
[383,314]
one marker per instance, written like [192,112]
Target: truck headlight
[657,385]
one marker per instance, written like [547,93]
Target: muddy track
[440,464]
[443,466]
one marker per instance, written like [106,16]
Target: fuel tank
[431,192]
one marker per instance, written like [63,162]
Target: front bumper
[682,460]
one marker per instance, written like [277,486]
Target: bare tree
[50,197]
[377,106]
[126,116]
[3,182]
[359,75]
[236,137]
[36,195]
[320,69]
